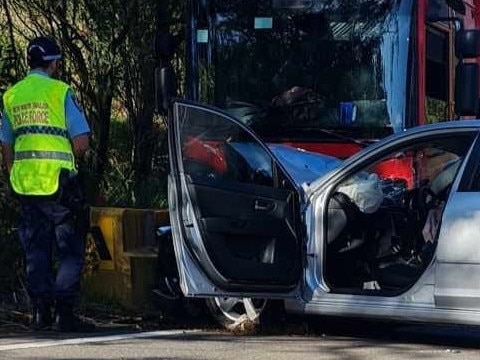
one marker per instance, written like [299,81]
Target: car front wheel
[237,313]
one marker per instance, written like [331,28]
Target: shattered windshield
[286,65]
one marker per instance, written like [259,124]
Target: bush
[120,187]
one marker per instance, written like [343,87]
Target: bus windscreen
[306,65]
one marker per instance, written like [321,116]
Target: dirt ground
[15,317]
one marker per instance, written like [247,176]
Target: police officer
[43,134]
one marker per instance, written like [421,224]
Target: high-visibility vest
[35,107]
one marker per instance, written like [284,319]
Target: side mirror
[165,88]
[466,89]
[467,44]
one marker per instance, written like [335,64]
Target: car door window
[383,219]
[431,165]
[214,150]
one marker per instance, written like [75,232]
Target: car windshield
[289,66]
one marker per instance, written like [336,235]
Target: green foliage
[436,110]
[109,62]
[8,73]
[5,77]
[121,188]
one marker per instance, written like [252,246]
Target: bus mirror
[467,44]
[466,89]
[165,85]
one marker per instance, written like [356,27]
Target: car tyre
[243,314]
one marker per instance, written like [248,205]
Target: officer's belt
[40,129]
[50,155]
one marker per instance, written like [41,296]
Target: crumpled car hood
[303,166]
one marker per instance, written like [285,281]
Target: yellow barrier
[124,240]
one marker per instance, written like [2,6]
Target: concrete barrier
[124,241]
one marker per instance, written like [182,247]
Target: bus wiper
[362,143]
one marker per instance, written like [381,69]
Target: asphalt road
[334,340]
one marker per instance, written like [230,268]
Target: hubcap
[237,309]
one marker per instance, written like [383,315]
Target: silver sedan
[390,233]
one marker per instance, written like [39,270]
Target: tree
[109,60]
[90,34]
[139,60]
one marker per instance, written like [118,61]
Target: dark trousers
[54,249]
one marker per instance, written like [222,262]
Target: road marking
[94,339]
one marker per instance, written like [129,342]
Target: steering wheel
[428,197]
[421,200]
[418,204]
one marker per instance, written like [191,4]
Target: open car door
[235,212]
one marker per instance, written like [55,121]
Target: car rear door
[235,213]
[457,272]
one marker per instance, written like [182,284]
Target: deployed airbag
[365,191]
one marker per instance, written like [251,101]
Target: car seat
[400,272]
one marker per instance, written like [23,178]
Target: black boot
[67,321]
[42,316]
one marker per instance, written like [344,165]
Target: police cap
[43,49]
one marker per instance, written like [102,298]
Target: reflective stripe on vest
[51,155]
[35,108]
[49,130]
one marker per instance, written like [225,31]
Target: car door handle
[264,205]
